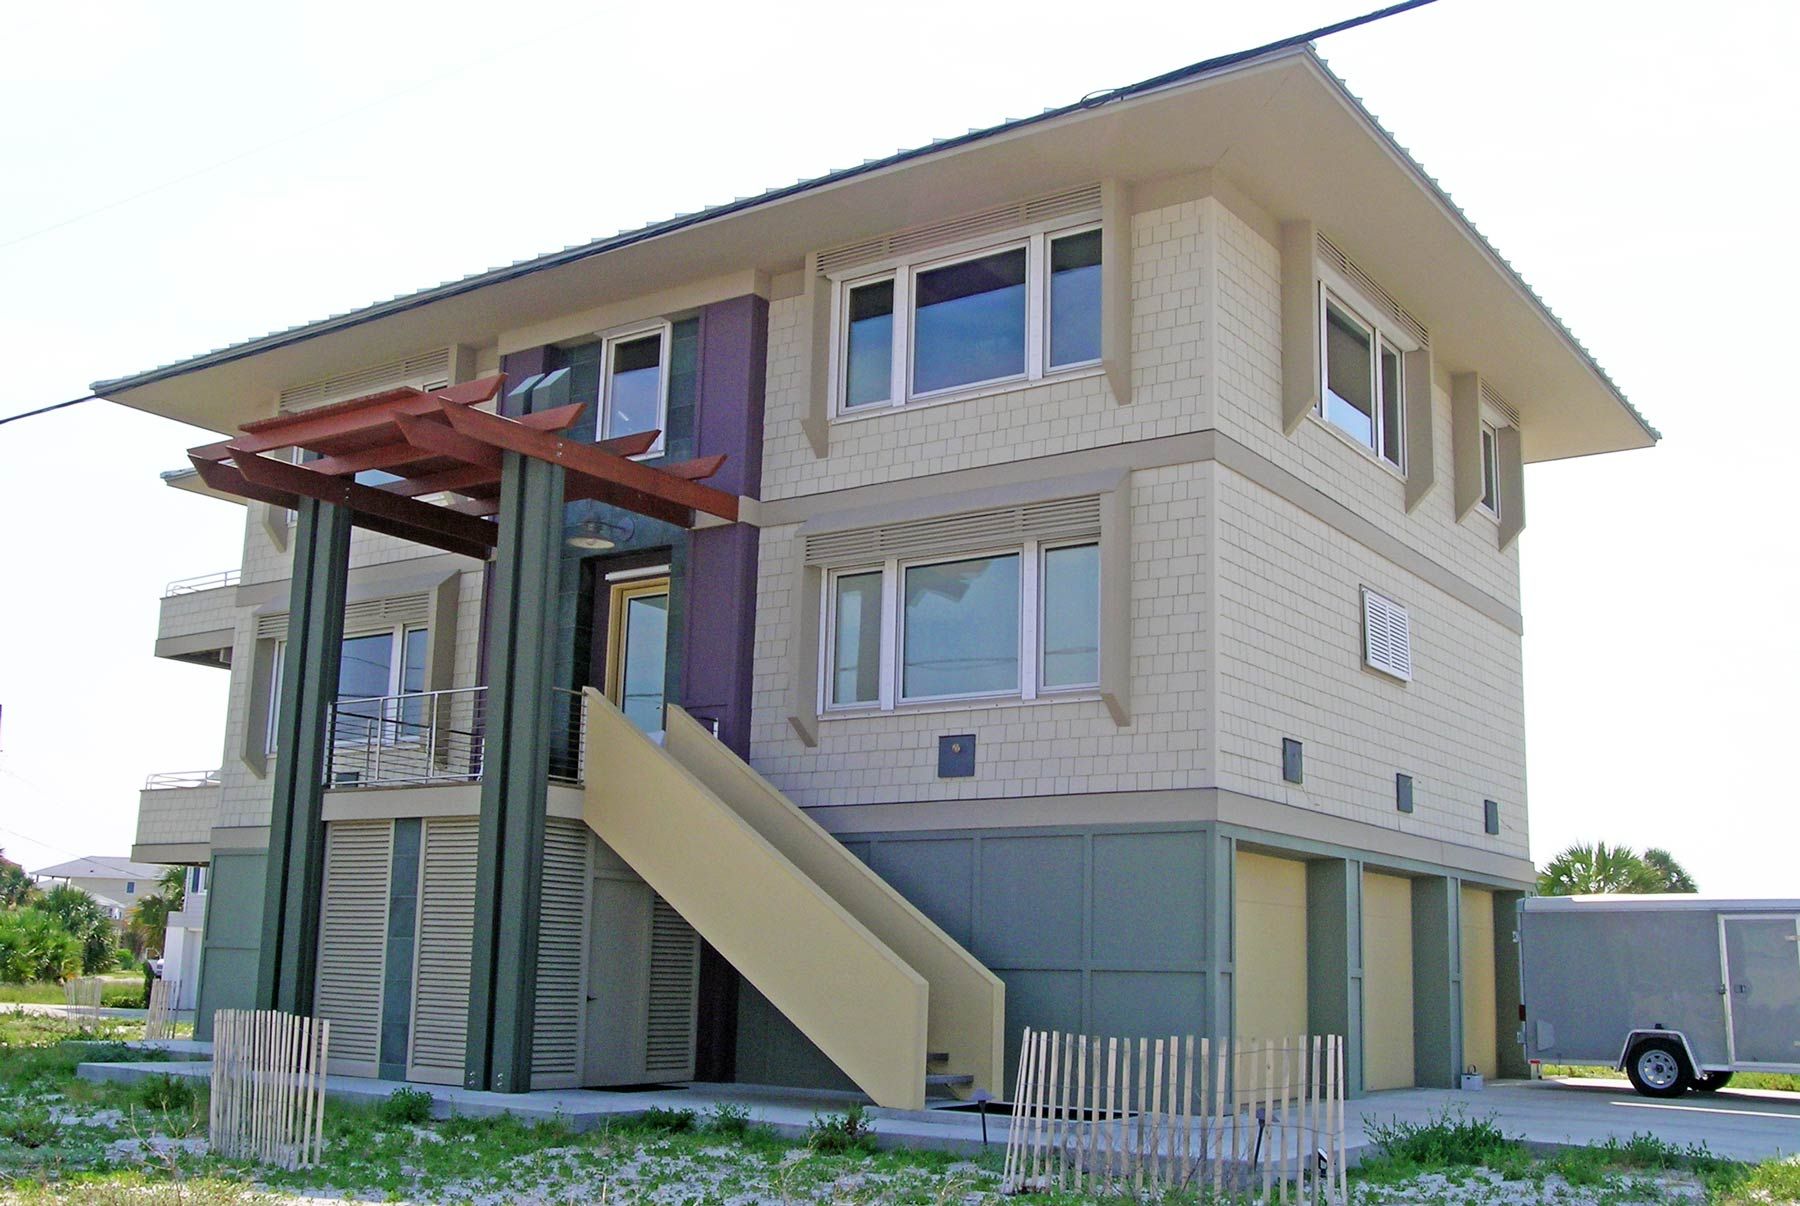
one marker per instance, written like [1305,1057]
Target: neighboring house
[117,883]
[1104,525]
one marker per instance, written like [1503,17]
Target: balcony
[198,623]
[176,813]
[436,738]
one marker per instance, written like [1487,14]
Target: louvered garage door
[674,994]
[353,941]
[562,947]
[440,1023]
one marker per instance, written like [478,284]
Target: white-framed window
[373,669]
[940,324]
[1490,468]
[1363,391]
[634,384]
[1018,621]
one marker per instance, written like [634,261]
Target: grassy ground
[1786,1081]
[63,1140]
[122,990]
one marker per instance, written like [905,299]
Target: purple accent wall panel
[734,350]
[720,631]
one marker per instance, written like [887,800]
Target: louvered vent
[1387,636]
[446,924]
[1069,203]
[370,616]
[674,994]
[353,940]
[1492,397]
[1365,284]
[424,370]
[1063,519]
[561,994]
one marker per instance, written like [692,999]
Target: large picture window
[1016,622]
[381,684]
[931,328]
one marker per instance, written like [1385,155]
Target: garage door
[1387,982]
[1480,1028]
[1270,978]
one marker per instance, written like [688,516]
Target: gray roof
[598,247]
[100,866]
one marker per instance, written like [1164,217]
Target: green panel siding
[937,876]
[233,935]
[1149,899]
[1032,889]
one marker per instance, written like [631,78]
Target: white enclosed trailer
[1679,991]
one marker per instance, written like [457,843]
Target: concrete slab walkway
[1737,1124]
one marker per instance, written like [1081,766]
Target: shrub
[673,1122]
[31,1126]
[405,1105]
[123,996]
[35,946]
[851,1131]
[1450,1138]
[729,1120]
[165,1092]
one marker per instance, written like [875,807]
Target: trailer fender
[1632,1039]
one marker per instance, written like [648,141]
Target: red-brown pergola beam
[349,418]
[369,500]
[593,462]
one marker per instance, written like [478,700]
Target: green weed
[405,1105]
[851,1131]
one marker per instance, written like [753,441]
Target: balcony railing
[193,586]
[436,737]
[168,780]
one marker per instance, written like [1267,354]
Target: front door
[618,994]
[637,650]
[1762,982]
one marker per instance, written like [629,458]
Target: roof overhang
[1280,127]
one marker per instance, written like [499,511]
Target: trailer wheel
[1711,1082]
[1658,1068]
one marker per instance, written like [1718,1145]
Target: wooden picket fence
[83,998]
[268,1087]
[1246,1120]
[159,1022]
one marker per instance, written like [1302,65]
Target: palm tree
[87,922]
[15,886]
[150,916]
[1670,875]
[1583,870]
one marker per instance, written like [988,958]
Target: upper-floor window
[373,669]
[634,385]
[1490,468]
[929,327]
[1017,621]
[1364,386]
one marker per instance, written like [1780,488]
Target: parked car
[155,966]
[1678,991]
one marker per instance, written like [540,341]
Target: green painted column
[515,772]
[1506,985]
[309,683]
[1221,917]
[1437,981]
[1334,972]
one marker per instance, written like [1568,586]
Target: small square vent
[1387,636]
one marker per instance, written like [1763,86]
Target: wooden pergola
[439,446]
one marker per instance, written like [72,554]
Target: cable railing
[436,737]
[194,585]
[166,780]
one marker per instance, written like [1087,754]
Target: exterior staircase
[893,1001]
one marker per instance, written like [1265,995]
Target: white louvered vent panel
[1387,636]
[1062,519]
[674,994]
[446,927]
[353,937]
[424,370]
[1493,398]
[561,993]
[1365,284]
[968,226]
[371,616]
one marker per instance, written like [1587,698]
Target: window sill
[1368,453]
[938,707]
[1081,373]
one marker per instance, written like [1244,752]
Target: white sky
[1634,161]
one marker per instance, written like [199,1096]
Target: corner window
[1364,384]
[1490,468]
[635,386]
[1018,622]
[925,328]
